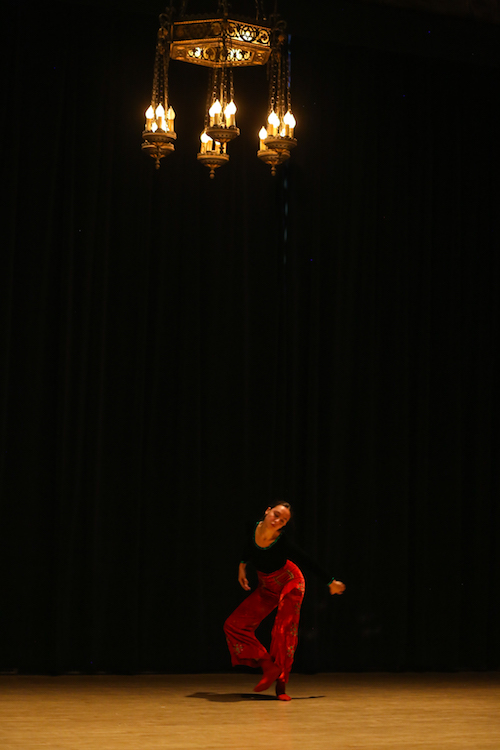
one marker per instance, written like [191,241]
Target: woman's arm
[296,554]
[242,576]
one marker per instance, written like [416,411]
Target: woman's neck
[265,534]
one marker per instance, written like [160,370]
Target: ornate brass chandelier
[222,43]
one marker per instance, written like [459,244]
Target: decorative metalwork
[272,158]
[220,41]
[221,44]
[213,159]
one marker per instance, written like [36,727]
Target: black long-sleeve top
[268,559]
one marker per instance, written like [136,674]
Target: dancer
[281,585]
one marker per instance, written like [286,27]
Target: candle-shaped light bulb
[160,114]
[150,113]
[229,114]
[204,138]
[170,118]
[154,127]
[274,123]
[262,138]
[214,113]
[290,123]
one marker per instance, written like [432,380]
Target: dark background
[177,352]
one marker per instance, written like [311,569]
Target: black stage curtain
[178,351]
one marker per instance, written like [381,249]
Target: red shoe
[281,691]
[271,673]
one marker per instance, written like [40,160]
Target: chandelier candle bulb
[290,123]
[262,138]
[214,113]
[274,122]
[218,110]
[160,114]
[229,114]
[170,119]
[154,127]
[205,139]
[150,114]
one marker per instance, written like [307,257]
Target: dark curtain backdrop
[176,351]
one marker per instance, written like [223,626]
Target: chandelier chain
[156,71]
[288,81]
[166,62]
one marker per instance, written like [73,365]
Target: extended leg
[240,628]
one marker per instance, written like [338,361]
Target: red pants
[283,589]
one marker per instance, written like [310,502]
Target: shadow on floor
[237,697]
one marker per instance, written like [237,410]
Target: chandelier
[221,43]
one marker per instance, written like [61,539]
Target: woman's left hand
[336,587]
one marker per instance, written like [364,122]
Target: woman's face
[277,517]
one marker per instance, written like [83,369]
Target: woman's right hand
[242,577]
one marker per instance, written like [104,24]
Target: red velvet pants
[283,589]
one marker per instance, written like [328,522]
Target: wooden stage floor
[220,712]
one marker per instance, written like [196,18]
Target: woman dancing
[281,585]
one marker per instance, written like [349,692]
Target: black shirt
[268,559]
